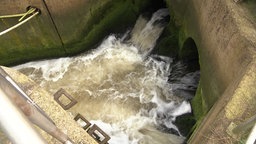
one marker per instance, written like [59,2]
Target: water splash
[127,94]
[145,33]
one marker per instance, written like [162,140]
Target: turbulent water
[120,87]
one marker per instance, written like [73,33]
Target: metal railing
[249,123]
[16,103]
[252,137]
[14,122]
[237,130]
[246,125]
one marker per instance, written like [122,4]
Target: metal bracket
[62,92]
[99,135]
[81,118]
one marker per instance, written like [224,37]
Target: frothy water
[145,33]
[120,88]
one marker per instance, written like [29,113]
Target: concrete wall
[225,35]
[224,51]
[60,23]
[36,36]
[63,28]
[223,31]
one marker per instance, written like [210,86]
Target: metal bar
[19,24]
[245,125]
[22,93]
[15,124]
[252,137]
[30,11]
[12,16]
[22,15]
[34,115]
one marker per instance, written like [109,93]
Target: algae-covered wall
[35,39]
[64,27]
[224,52]
[224,33]
[82,24]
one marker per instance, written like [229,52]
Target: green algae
[112,18]
[105,18]
[19,57]
[198,104]
[111,22]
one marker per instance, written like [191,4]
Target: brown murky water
[119,86]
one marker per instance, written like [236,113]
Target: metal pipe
[245,125]
[15,124]
[19,24]
[22,93]
[29,108]
[252,137]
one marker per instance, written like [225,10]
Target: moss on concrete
[32,41]
[199,109]
[175,42]
[198,104]
[112,18]
[172,40]
[120,15]
[106,18]
[17,57]
[168,43]
[185,123]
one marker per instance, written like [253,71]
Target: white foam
[118,136]
[123,82]
[52,70]
[126,94]
[183,108]
[145,34]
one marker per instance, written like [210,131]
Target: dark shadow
[185,76]
[189,55]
